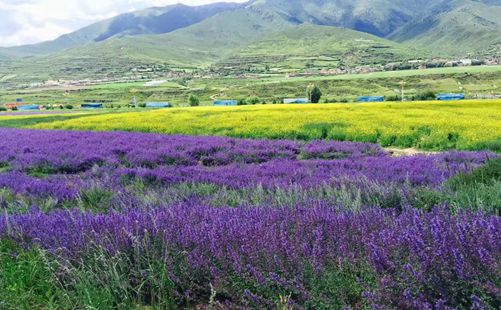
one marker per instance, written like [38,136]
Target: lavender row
[418,170]
[61,165]
[412,260]
[406,172]
[73,152]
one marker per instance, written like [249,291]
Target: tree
[194,101]
[315,95]
[254,100]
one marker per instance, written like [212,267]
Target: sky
[33,21]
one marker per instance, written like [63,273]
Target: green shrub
[3,109]
[427,95]
[68,107]
[193,100]
[393,98]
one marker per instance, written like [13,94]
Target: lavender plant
[127,220]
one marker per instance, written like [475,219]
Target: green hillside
[236,40]
[469,27]
[322,47]
[197,46]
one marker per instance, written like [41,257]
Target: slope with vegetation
[295,34]
[456,28]
[322,47]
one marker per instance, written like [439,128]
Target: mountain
[157,20]
[285,34]
[378,17]
[456,28]
[199,45]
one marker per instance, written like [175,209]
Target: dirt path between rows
[396,152]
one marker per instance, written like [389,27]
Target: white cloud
[32,21]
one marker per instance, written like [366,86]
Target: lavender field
[120,220]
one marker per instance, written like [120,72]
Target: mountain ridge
[228,33]
[154,20]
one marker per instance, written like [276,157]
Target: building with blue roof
[225,103]
[158,105]
[370,99]
[445,97]
[296,100]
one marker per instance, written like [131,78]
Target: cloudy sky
[32,21]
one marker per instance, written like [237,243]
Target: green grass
[28,279]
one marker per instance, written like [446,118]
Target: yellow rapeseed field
[426,125]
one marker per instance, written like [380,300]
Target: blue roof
[158,105]
[451,96]
[28,107]
[296,100]
[225,102]
[92,105]
[370,99]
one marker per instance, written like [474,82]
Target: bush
[242,102]
[194,101]
[142,105]
[14,108]
[3,109]
[68,107]
[427,95]
[393,98]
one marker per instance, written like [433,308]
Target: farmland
[422,125]
[273,215]
[135,220]
[473,81]
[316,206]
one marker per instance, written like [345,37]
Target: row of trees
[314,95]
